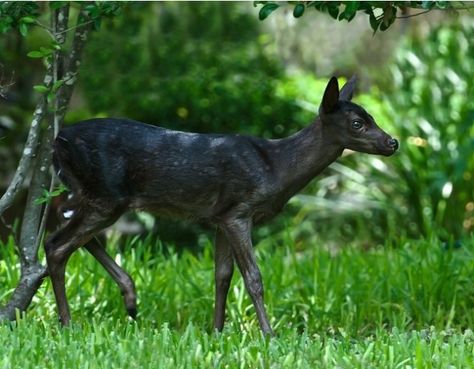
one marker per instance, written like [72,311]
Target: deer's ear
[330,97]
[348,89]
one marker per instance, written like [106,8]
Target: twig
[76,26]
[413,15]
[46,28]
[55,34]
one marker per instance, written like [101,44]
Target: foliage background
[213,67]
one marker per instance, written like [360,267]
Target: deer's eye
[357,124]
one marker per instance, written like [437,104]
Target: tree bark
[28,153]
[72,64]
[32,271]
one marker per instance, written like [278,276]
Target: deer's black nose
[392,143]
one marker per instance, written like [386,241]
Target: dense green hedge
[196,68]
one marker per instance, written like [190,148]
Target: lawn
[404,305]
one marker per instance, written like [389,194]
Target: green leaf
[110,8]
[57,4]
[23,29]
[442,4]
[298,10]
[45,51]
[317,5]
[40,200]
[97,23]
[93,10]
[428,4]
[41,88]
[383,26]
[374,22]
[45,197]
[59,190]
[35,54]
[47,60]
[350,10]
[388,18]
[333,10]
[57,85]
[56,46]
[50,97]
[5,23]
[28,20]
[266,10]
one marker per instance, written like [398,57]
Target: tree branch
[413,15]
[28,152]
[73,63]
[32,272]
[30,280]
[65,92]
[60,23]
[29,237]
[62,17]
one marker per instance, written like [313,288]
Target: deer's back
[187,174]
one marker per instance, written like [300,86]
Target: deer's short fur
[231,181]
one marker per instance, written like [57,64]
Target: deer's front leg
[238,234]
[224,268]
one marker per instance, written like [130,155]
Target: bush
[195,68]
[434,111]
[427,187]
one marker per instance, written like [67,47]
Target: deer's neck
[304,155]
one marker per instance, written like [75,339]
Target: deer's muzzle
[390,146]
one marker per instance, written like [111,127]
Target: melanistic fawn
[230,181]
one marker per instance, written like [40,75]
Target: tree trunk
[34,218]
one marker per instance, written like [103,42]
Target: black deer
[230,181]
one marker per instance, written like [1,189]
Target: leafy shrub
[196,68]
[221,80]
[433,106]
[428,186]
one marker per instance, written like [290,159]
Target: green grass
[404,306]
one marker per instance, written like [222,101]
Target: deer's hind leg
[84,224]
[123,280]
[98,251]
